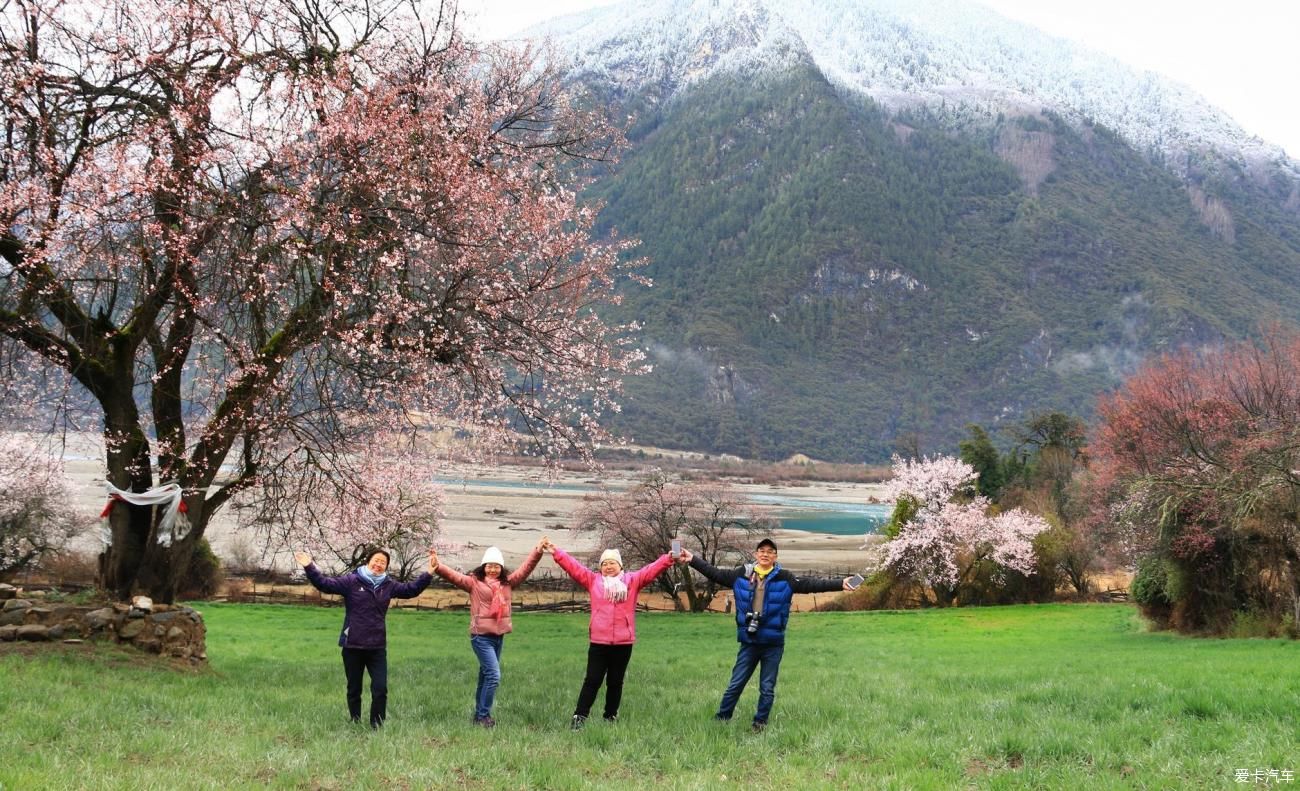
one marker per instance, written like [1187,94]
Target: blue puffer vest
[777,596]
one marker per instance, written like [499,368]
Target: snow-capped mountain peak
[954,54]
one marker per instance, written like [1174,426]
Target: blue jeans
[487,647]
[751,655]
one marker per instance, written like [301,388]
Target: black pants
[375,662]
[606,663]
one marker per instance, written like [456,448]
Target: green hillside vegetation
[828,279]
[1059,696]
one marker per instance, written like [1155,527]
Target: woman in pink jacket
[613,624]
[490,587]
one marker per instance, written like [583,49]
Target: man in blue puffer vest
[763,592]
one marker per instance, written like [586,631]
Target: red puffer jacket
[489,599]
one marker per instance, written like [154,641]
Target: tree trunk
[697,599]
[164,569]
[682,585]
[120,561]
[945,596]
[129,468]
[160,572]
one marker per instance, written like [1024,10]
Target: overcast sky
[1242,55]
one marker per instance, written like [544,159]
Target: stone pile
[170,630]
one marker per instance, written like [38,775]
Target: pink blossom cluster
[930,480]
[952,531]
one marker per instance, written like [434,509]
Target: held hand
[846,585]
[433,560]
[542,543]
[548,546]
[685,557]
[303,558]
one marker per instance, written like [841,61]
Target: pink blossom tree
[947,533]
[251,233]
[379,495]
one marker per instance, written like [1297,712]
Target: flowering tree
[948,534]
[1199,455]
[36,517]
[253,232]
[930,480]
[379,495]
[641,523]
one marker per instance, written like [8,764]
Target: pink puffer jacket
[489,600]
[612,623]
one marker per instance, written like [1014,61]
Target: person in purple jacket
[366,593]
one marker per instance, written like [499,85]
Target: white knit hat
[493,555]
[612,554]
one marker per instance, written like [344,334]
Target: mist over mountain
[870,223]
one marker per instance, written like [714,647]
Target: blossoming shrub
[946,539]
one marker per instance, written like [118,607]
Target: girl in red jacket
[613,624]
[490,586]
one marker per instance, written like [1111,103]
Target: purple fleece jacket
[365,608]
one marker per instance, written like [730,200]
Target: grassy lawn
[1057,696]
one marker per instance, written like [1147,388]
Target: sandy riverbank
[510,507]
[488,510]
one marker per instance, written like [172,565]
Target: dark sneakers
[485,722]
[577,722]
[611,718]
[758,727]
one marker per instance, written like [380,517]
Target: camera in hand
[751,622]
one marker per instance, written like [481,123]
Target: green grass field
[1058,696]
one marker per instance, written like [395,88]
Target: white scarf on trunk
[174,524]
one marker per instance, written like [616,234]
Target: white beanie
[493,555]
[611,554]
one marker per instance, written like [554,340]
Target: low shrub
[203,578]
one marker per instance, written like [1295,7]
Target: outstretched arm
[647,574]
[580,573]
[724,577]
[319,581]
[817,584]
[462,581]
[413,588]
[520,574]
